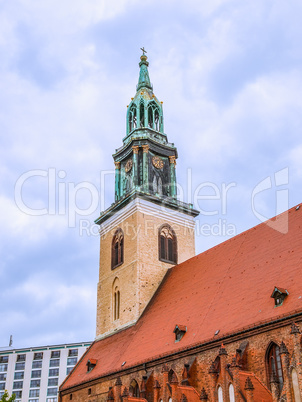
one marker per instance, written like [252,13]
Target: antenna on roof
[10,341]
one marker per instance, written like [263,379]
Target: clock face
[128,165]
[157,162]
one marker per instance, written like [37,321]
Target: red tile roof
[226,288]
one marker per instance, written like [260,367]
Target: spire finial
[144,80]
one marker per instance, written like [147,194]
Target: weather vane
[143,50]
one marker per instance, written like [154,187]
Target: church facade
[224,325]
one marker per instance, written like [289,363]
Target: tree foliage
[7,398]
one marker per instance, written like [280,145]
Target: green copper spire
[144,79]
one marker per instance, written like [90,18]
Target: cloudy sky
[229,75]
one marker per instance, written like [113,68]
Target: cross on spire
[143,50]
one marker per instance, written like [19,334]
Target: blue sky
[229,75]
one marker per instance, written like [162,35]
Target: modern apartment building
[34,374]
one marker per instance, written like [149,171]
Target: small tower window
[117,252]
[167,244]
[117,302]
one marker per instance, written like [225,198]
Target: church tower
[146,230]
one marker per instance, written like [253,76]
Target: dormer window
[179,332]
[279,294]
[91,364]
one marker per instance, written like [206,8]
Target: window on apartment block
[37,364]
[274,365]
[35,383]
[55,354]
[21,358]
[34,393]
[68,370]
[18,384]
[73,352]
[20,366]
[117,249]
[54,363]
[18,394]
[19,375]
[38,356]
[3,359]
[71,361]
[36,374]
[53,382]
[3,367]
[52,391]
[167,244]
[3,377]
[53,372]
[2,386]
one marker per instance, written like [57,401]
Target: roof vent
[279,294]
[91,364]
[179,332]
[297,207]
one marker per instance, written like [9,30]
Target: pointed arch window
[296,390]
[132,118]
[274,365]
[156,120]
[150,117]
[220,394]
[134,389]
[167,244]
[117,249]
[142,114]
[116,304]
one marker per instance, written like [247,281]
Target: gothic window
[150,117]
[132,118]
[231,393]
[167,244]
[134,389]
[220,394]
[274,366]
[156,120]
[170,375]
[142,115]
[296,391]
[117,250]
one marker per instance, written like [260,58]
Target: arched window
[167,244]
[134,389]
[142,114]
[171,374]
[156,119]
[274,365]
[231,393]
[296,390]
[150,117]
[117,249]
[220,394]
[132,118]
[116,302]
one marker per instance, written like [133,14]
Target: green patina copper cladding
[145,163]
[145,110]
[144,79]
